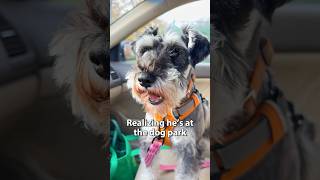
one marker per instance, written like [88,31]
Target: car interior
[297,54]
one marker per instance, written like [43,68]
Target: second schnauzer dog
[80,49]
[160,81]
[240,42]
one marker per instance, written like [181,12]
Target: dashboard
[26,29]
[16,56]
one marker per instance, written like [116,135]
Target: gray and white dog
[238,27]
[159,81]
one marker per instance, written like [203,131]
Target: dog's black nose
[146,79]
[99,60]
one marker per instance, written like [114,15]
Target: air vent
[4,24]
[113,74]
[10,39]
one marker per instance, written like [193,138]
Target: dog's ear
[197,44]
[152,30]
[267,7]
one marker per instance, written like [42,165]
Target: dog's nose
[146,79]
[99,60]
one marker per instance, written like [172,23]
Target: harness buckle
[250,102]
[252,94]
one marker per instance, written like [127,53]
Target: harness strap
[256,81]
[179,114]
[243,149]
[263,61]
[269,130]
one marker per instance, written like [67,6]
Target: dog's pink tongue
[154,97]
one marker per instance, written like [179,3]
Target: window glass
[121,7]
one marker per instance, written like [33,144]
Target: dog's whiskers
[229,67]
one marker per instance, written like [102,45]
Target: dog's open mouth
[155,99]
[153,96]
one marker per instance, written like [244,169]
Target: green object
[113,162]
[123,165]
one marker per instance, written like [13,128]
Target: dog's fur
[238,26]
[165,61]
[80,50]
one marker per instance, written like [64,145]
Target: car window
[173,20]
[121,7]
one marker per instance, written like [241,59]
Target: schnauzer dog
[162,81]
[81,54]
[241,50]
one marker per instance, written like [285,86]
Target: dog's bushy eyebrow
[228,64]
[152,30]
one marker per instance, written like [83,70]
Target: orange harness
[192,102]
[266,127]
[170,117]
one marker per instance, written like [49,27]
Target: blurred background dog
[80,50]
[40,137]
[240,31]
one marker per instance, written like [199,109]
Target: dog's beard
[167,93]
[230,74]
[229,67]
[88,92]
[91,96]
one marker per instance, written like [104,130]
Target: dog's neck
[235,62]
[189,75]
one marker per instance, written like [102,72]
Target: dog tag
[152,152]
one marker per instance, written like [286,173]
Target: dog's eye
[141,67]
[145,49]
[173,52]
